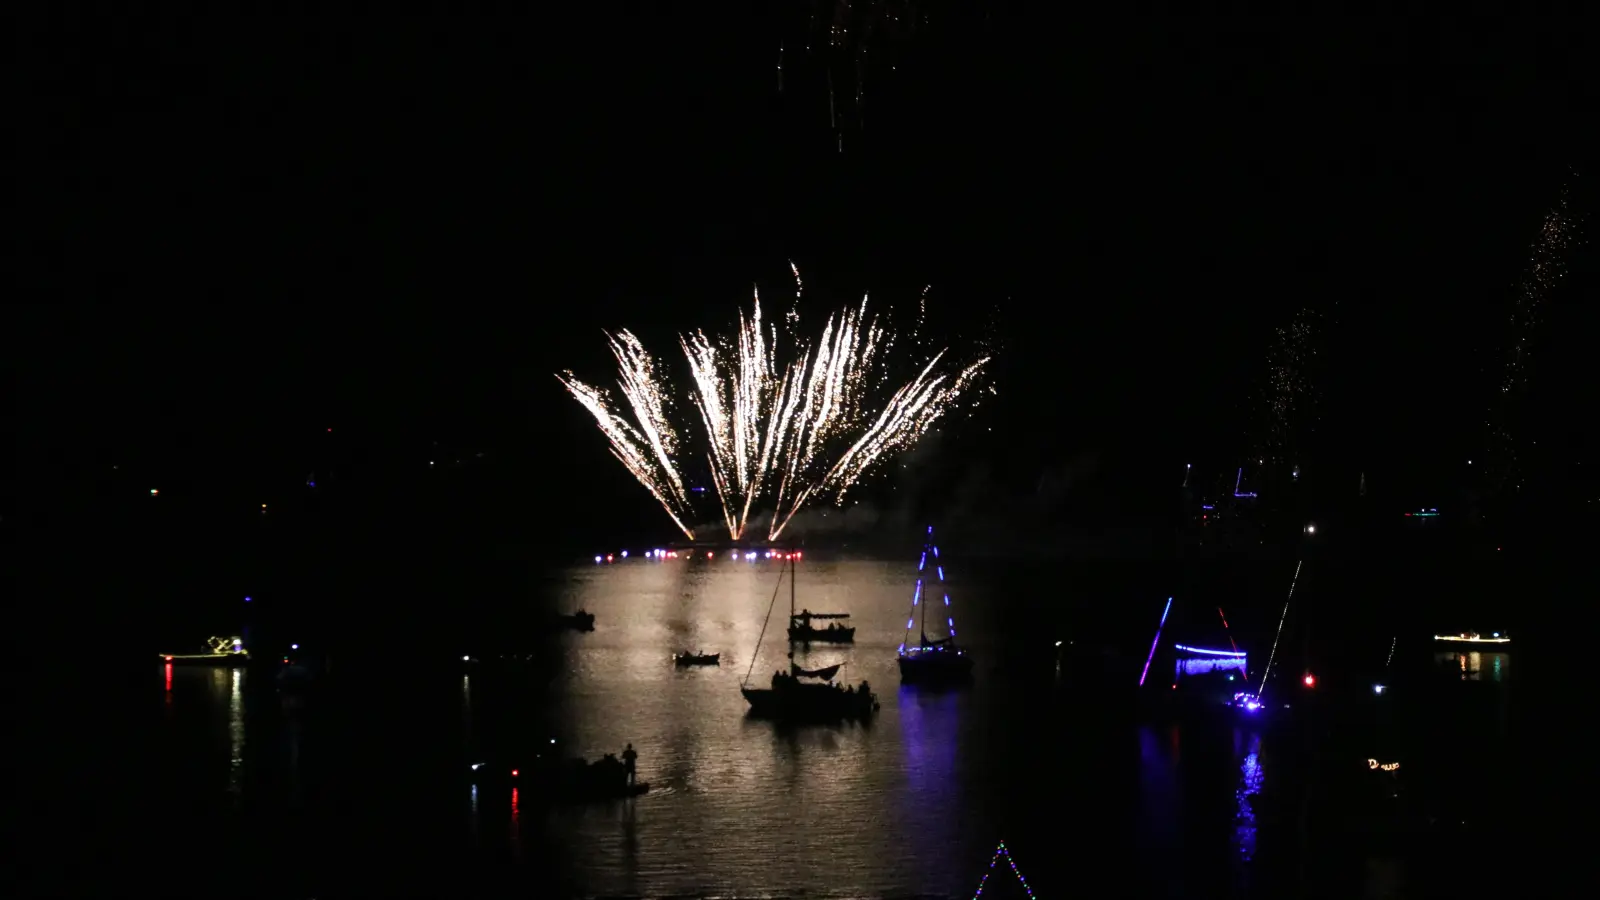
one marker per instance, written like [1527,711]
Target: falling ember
[780,431]
[1547,266]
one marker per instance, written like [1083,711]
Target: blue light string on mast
[1157,640]
[916,597]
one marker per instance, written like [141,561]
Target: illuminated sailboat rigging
[931,660]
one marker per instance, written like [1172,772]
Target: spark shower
[782,421]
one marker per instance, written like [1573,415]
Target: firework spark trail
[648,448]
[1290,393]
[793,317]
[1546,267]
[768,424]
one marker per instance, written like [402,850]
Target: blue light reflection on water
[1250,777]
[912,803]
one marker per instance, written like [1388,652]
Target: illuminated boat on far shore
[1496,639]
[226,652]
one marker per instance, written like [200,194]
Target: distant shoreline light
[1472,639]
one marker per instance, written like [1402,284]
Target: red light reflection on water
[516,825]
[169,677]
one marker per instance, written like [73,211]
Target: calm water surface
[369,773]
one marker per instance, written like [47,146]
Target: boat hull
[936,668]
[684,662]
[822,635]
[809,703]
[224,660]
[555,790]
[576,622]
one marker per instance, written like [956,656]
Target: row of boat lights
[601,559]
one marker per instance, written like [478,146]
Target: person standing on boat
[629,758]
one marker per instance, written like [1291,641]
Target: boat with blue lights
[1204,679]
[932,661]
[804,695]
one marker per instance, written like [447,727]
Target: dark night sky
[247,231]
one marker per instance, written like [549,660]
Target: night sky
[247,232]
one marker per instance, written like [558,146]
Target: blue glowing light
[1236,491]
[1153,643]
[1249,786]
[1207,506]
[1210,652]
[624,554]
[597,559]
[916,601]
[247,599]
[1378,688]
[1206,664]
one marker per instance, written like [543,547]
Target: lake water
[359,790]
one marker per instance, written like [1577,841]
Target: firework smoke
[780,432]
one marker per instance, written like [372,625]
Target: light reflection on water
[741,805]
[1249,786]
[1471,664]
[912,802]
[235,731]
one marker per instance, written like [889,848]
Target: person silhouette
[629,758]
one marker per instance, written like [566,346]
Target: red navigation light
[1311,680]
[169,659]
[513,773]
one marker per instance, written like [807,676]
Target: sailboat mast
[923,626]
[791,587]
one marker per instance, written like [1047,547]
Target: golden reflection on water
[1476,665]
[229,683]
[731,791]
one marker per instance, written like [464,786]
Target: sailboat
[803,694]
[936,660]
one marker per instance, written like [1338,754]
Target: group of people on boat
[781,680]
[805,616]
